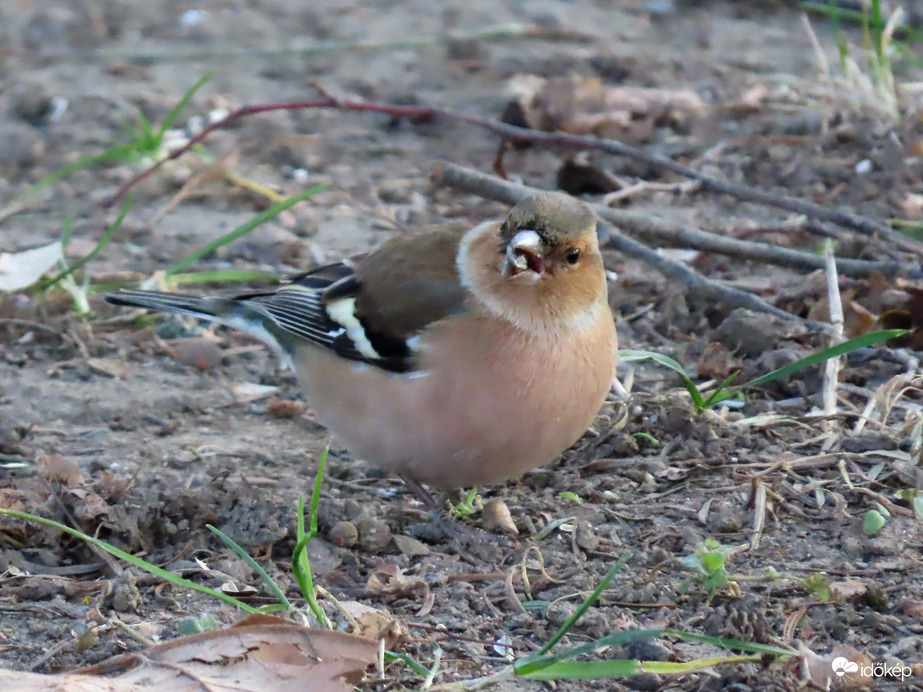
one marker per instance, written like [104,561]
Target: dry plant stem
[759,513]
[832,366]
[500,190]
[561,140]
[675,234]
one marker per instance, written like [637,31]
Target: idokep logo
[843,666]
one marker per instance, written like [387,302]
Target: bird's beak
[524,253]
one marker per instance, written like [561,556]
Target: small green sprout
[709,560]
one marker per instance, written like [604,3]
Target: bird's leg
[423,495]
[451,527]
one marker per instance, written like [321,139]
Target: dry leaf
[410,546]
[912,205]
[259,654]
[583,105]
[252,391]
[373,623]
[848,590]
[199,352]
[856,319]
[388,583]
[717,362]
[111,367]
[496,515]
[578,178]
[20,270]
[848,661]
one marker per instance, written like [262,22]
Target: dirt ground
[144,436]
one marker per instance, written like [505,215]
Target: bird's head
[545,236]
[550,271]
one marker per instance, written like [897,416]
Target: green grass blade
[622,668]
[119,152]
[417,668]
[535,667]
[589,601]
[146,139]
[585,670]
[538,661]
[727,643]
[835,13]
[301,566]
[181,104]
[270,582]
[221,276]
[246,228]
[629,356]
[67,230]
[315,496]
[111,231]
[816,358]
[722,392]
[131,559]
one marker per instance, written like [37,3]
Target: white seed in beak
[524,253]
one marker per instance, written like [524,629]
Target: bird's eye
[572,256]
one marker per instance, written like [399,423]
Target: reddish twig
[561,140]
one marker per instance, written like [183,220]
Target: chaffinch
[453,359]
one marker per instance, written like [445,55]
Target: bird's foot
[471,540]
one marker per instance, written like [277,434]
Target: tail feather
[238,314]
[167,302]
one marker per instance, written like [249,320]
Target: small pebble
[585,537]
[410,546]
[374,535]
[344,534]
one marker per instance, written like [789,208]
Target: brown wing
[367,308]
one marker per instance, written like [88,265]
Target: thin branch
[678,234]
[832,366]
[561,140]
[501,190]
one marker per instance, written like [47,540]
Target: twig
[832,366]
[497,189]
[759,513]
[676,234]
[560,140]
[682,235]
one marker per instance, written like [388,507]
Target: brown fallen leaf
[388,582]
[198,352]
[908,316]
[111,367]
[844,668]
[496,515]
[583,105]
[717,362]
[848,590]
[373,623]
[259,654]
[856,319]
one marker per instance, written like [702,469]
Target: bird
[452,358]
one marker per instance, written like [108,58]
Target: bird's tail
[231,312]
[205,308]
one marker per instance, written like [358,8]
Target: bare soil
[143,436]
